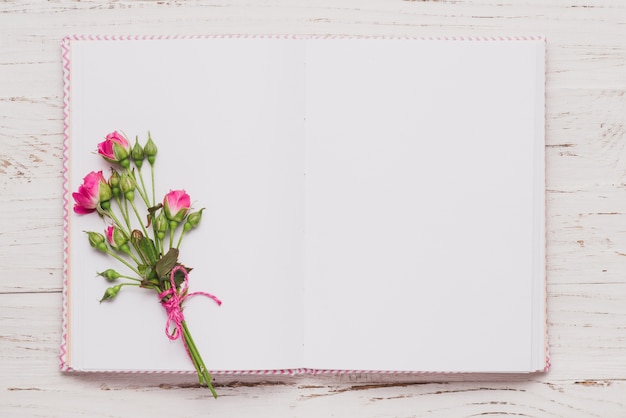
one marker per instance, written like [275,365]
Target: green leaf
[151,275]
[166,264]
[179,276]
[146,245]
[146,272]
[151,211]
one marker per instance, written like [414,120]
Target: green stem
[180,239]
[157,242]
[203,373]
[130,278]
[117,222]
[124,215]
[131,255]
[143,187]
[120,259]
[153,194]
[145,233]
[109,212]
[141,193]
[150,286]
[130,284]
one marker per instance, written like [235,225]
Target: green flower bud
[127,185]
[97,241]
[125,249]
[138,154]
[111,292]
[110,275]
[161,225]
[193,220]
[150,149]
[114,180]
[114,183]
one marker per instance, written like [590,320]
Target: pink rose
[115,148]
[176,204]
[92,192]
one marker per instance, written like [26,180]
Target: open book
[371,204]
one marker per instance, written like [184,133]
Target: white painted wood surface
[586,193]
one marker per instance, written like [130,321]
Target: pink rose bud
[176,204]
[115,149]
[94,190]
[116,237]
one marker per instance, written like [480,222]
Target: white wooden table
[586,194]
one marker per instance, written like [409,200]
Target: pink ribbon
[173,305]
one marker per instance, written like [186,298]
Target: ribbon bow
[173,304]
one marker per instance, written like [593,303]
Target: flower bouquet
[149,252]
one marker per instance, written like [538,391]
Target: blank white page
[227,116]
[424,205]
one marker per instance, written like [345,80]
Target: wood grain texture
[586,201]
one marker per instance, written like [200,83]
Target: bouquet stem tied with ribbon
[149,252]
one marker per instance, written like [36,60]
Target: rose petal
[82,211]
